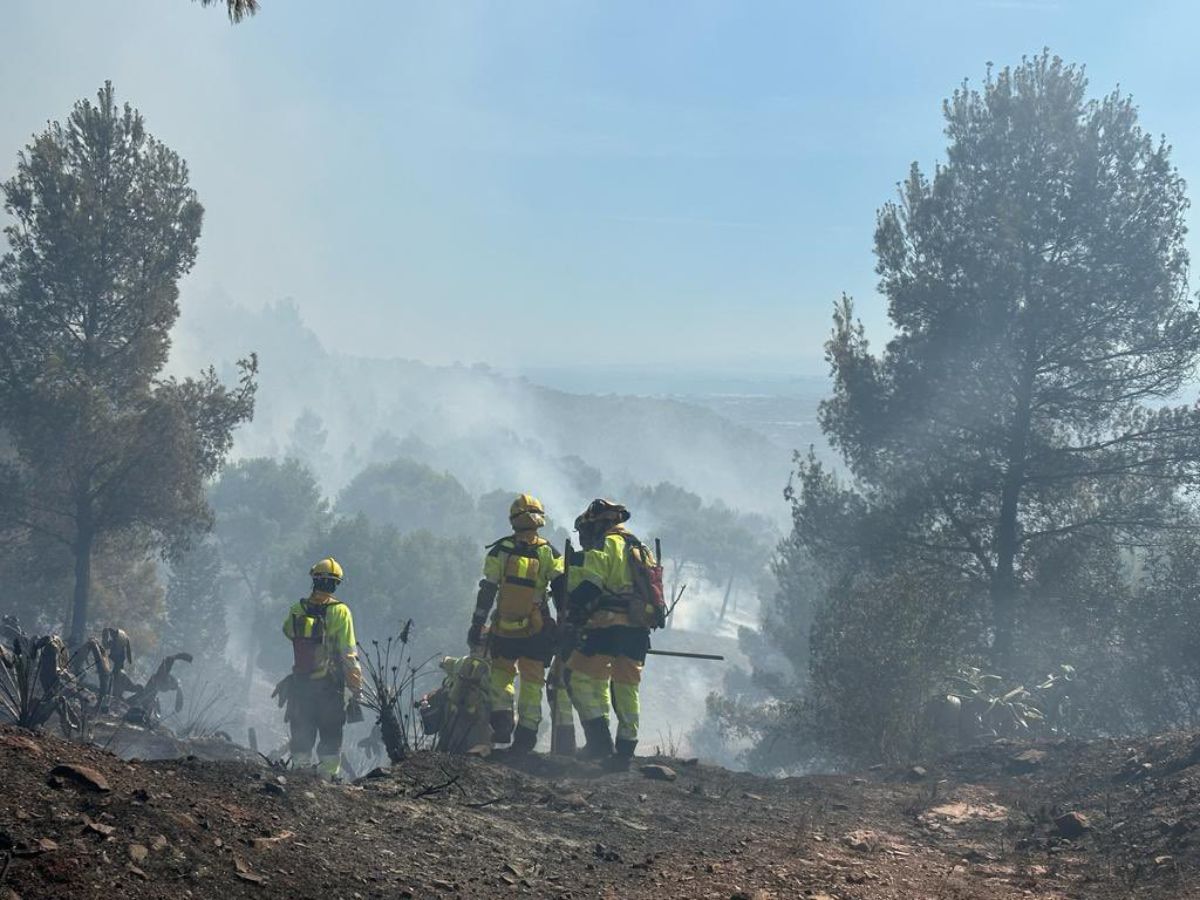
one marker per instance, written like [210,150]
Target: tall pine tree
[105,224]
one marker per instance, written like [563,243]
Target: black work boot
[502,726]
[623,758]
[598,739]
[524,739]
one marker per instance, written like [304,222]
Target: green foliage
[999,710]
[105,225]
[196,620]
[882,645]
[1018,402]
[1010,443]
[265,509]
[726,545]
[1159,668]
[410,496]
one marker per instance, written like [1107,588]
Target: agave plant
[994,708]
[35,676]
[391,678]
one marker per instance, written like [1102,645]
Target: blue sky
[682,184]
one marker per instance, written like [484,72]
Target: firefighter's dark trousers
[315,708]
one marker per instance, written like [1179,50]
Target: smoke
[489,430]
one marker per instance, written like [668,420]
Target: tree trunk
[1003,587]
[251,654]
[1003,594]
[84,538]
[725,601]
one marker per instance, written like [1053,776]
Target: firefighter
[606,666]
[518,571]
[321,630]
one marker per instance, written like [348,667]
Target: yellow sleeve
[550,566]
[594,569]
[340,634]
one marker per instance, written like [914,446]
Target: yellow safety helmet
[527,513]
[600,510]
[327,568]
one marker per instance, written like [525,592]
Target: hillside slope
[979,824]
[489,430]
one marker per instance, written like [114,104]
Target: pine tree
[104,226]
[196,617]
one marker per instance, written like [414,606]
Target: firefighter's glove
[282,691]
[352,677]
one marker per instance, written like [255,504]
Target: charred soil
[1061,819]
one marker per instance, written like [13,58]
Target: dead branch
[433,789]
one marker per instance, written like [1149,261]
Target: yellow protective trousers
[611,654]
[529,701]
[591,677]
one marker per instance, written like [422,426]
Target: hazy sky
[567,181]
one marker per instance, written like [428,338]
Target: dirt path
[981,824]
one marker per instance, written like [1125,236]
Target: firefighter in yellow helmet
[606,668]
[518,572]
[325,666]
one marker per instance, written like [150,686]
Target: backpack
[647,606]
[308,635]
[518,607]
[465,725]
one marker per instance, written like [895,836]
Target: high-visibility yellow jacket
[520,569]
[325,621]
[601,579]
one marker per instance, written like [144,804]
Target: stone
[98,827]
[862,841]
[1026,761]
[245,873]
[1072,825]
[82,776]
[659,773]
[266,843]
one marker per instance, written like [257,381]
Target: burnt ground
[981,823]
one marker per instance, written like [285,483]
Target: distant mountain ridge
[488,429]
